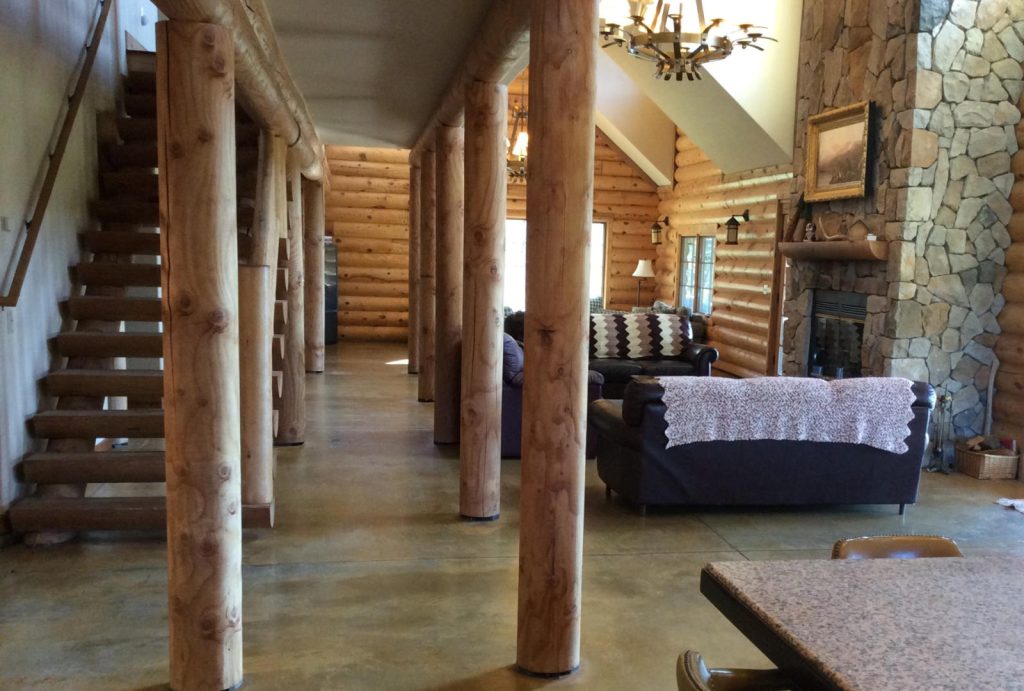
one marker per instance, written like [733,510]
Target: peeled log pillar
[414,264]
[428,251]
[313,244]
[199,280]
[291,424]
[483,282]
[448,327]
[255,336]
[558,217]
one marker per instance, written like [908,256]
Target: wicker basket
[986,466]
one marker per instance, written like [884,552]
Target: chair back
[895,547]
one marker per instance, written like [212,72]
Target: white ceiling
[373,71]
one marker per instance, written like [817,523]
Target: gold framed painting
[837,153]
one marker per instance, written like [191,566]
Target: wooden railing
[35,223]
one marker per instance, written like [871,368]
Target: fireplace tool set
[942,449]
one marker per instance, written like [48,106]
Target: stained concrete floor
[370,581]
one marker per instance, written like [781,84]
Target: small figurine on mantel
[809,231]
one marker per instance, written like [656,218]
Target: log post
[313,243]
[255,336]
[483,282]
[558,215]
[199,280]
[414,264]
[291,425]
[448,328]
[428,250]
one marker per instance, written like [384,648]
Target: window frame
[699,263]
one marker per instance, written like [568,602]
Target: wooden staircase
[78,487]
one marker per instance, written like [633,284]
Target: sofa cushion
[638,336]
[512,359]
[616,370]
[667,368]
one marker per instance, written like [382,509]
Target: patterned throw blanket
[873,410]
[638,336]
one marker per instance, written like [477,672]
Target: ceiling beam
[498,53]
[264,86]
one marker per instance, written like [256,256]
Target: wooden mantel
[836,250]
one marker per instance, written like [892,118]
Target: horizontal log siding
[702,198]
[367,214]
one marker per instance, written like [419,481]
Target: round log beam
[414,264]
[559,214]
[313,262]
[291,429]
[428,251]
[199,280]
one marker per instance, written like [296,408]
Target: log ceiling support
[483,282]
[291,425]
[199,279]
[497,54]
[314,220]
[428,251]
[448,327]
[558,215]
[414,264]
[264,87]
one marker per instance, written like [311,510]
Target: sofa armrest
[701,357]
[606,418]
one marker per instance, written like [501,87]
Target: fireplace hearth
[837,334]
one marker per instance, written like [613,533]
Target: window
[696,273]
[515,263]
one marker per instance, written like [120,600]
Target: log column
[448,336]
[414,264]
[428,247]
[313,243]
[558,216]
[291,427]
[483,283]
[199,278]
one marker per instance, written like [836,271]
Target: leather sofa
[633,462]
[512,402]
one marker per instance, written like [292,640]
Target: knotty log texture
[482,323]
[199,277]
[255,335]
[448,310]
[292,412]
[561,170]
[313,262]
[428,287]
[264,87]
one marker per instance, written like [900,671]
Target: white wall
[40,48]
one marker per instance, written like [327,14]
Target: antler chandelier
[673,50]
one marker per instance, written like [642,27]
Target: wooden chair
[693,675]
[895,547]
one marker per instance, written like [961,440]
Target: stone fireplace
[945,79]
[836,334]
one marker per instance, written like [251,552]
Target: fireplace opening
[837,334]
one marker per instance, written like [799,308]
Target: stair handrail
[56,156]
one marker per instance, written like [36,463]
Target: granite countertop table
[896,624]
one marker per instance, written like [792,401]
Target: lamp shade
[644,269]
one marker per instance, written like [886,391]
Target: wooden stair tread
[137,129]
[39,514]
[140,105]
[114,274]
[93,424]
[94,466]
[147,212]
[83,343]
[140,383]
[121,242]
[137,183]
[106,308]
[60,514]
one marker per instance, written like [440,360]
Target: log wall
[702,198]
[1008,400]
[624,198]
[367,213]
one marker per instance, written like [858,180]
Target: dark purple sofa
[512,402]
[633,462]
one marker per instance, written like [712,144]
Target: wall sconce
[732,228]
[656,231]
